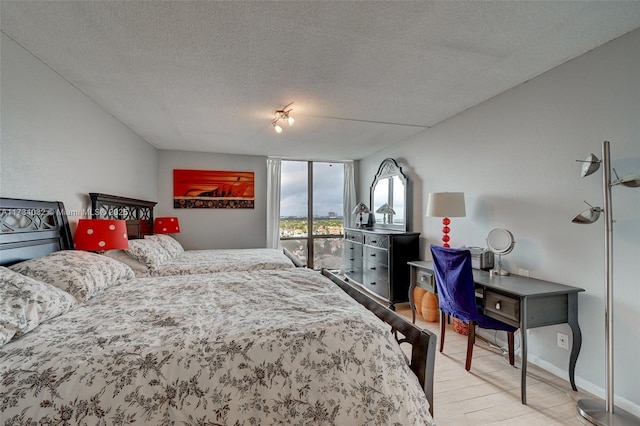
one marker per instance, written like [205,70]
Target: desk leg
[412,287]
[577,338]
[523,338]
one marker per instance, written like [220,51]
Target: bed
[147,259]
[285,346]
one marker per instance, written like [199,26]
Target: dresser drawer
[372,256]
[353,252]
[353,260]
[498,305]
[375,270]
[356,237]
[381,241]
[377,259]
[377,280]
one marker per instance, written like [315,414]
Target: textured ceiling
[207,76]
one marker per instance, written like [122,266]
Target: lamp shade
[166,225]
[360,208]
[446,204]
[385,209]
[632,181]
[101,234]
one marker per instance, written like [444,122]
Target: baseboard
[585,385]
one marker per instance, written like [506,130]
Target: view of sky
[327,188]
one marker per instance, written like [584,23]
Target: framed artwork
[213,189]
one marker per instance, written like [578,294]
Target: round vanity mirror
[500,241]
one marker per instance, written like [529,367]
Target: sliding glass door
[311,222]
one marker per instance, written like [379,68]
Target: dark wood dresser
[377,260]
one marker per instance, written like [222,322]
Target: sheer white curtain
[348,200]
[273,202]
[349,193]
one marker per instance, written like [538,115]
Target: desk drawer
[426,281]
[502,306]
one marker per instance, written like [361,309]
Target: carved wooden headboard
[31,229]
[137,213]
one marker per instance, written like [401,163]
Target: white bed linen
[267,347]
[221,260]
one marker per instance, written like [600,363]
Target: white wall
[215,228]
[514,157]
[59,145]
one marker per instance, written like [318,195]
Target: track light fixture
[283,114]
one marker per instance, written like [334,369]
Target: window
[316,187]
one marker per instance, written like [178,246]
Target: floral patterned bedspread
[220,260]
[270,347]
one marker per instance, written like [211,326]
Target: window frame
[311,237]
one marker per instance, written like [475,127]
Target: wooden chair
[456,296]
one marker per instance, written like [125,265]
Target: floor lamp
[595,411]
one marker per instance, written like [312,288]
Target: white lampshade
[360,208]
[385,209]
[446,204]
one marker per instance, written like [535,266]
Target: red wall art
[212,189]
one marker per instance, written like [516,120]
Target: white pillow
[81,273]
[148,252]
[140,269]
[173,247]
[26,302]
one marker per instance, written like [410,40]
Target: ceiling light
[285,115]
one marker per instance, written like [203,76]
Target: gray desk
[520,301]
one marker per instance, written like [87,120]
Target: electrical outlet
[563,341]
[523,272]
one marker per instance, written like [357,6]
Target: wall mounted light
[283,114]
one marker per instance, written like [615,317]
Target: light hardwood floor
[490,393]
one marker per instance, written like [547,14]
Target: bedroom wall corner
[515,156]
[204,228]
[59,145]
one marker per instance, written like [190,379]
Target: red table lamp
[446,205]
[166,225]
[101,234]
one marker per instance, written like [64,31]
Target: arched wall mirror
[390,201]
